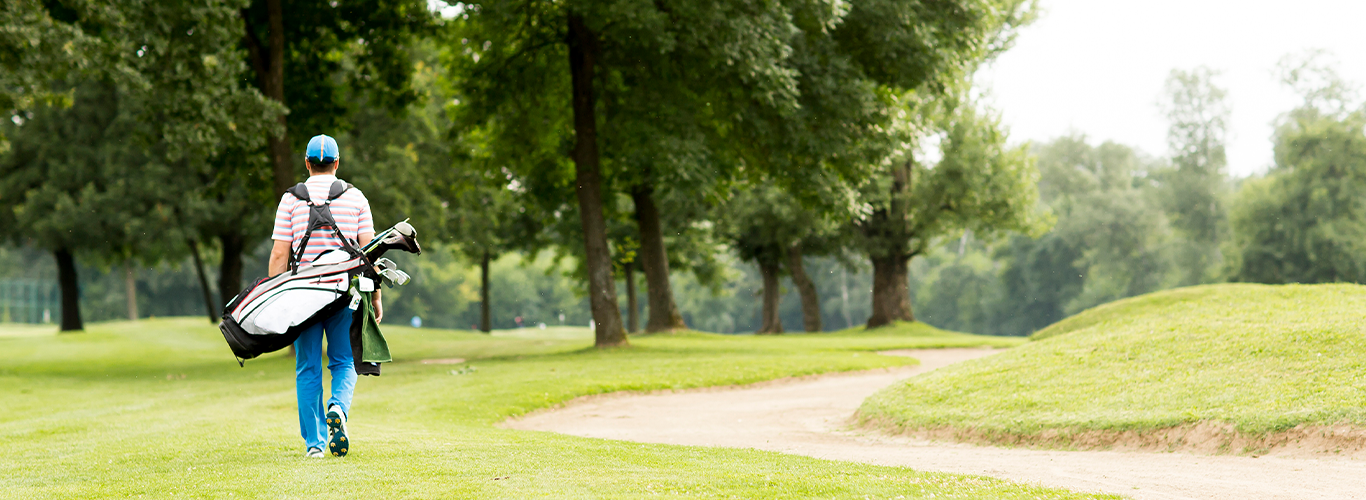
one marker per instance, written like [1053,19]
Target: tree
[121,164]
[654,261]
[1195,186]
[978,184]
[291,48]
[83,185]
[794,91]
[1304,222]
[319,62]
[514,81]
[484,221]
[767,226]
[871,80]
[1111,239]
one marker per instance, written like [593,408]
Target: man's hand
[379,305]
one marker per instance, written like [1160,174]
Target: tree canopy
[1304,222]
[837,150]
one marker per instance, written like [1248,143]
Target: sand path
[810,416]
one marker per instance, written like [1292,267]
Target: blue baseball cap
[322,149]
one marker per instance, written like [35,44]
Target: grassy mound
[159,409]
[1254,359]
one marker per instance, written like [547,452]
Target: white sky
[1098,66]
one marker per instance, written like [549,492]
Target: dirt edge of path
[590,398]
[1201,438]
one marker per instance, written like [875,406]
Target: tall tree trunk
[811,301]
[890,229]
[891,291]
[230,270]
[772,324]
[275,89]
[602,287]
[632,316]
[844,297]
[130,290]
[485,319]
[71,292]
[203,281]
[269,65]
[654,260]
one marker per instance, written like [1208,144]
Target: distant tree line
[1128,223]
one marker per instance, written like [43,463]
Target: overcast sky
[1098,66]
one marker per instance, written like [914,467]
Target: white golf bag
[271,313]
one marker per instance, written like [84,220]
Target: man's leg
[308,382]
[343,368]
[339,361]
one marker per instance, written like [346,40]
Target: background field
[158,409]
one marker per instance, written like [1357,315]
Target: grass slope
[1262,358]
[159,409]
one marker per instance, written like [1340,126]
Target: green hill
[1254,359]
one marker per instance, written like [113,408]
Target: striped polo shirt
[351,211]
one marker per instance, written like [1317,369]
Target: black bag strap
[319,217]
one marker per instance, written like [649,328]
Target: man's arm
[283,235]
[364,239]
[279,257]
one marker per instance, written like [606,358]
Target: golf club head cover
[403,237]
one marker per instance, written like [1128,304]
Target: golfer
[323,427]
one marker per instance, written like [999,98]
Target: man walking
[323,427]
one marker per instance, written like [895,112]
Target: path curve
[810,416]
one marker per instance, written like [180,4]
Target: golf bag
[271,313]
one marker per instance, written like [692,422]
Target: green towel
[373,347]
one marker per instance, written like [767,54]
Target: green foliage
[339,56]
[154,389]
[400,157]
[958,291]
[128,170]
[1195,187]
[1262,358]
[1115,235]
[77,181]
[760,222]
[36,48]
[978,183]
[664,120]
[1111,240]
[1304,222]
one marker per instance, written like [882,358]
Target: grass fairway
[1261,359]
[158,409]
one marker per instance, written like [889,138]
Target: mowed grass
[1262,358]
[159,409]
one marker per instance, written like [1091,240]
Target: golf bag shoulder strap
[338,188]
[319,217]
[300,191]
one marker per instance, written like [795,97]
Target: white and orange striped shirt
[351,211]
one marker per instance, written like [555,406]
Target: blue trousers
[308,376]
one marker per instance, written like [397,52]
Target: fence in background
[28,301]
